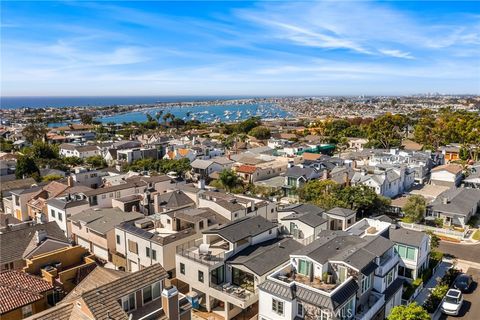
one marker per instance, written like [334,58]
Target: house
[7,221]
[449,175]
[296,177]
[181,153]
[305,221]
[357,144]
[79,151]
[95,229]
[233,207]
[111,294]
[226,267]
[155,238]
[450,152]
[455,206]
[256,167]
[63,268]
[385,180]
[23,241]
[413,248]
[472,181]
[59,209]
[337,276]
[130,155]
[89,177]
[23,295]
[15,201]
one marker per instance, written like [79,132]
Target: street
[471,305]
[461,251]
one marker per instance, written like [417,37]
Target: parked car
[452,302]
[463,282]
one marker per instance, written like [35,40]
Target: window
[182,268]
[347,311]
[389,277]
[52,212]
[128,302]
[304,267]
[406,252]
[217,275]
[27,311]
[117,194]
[104,196]
[132,246]
[277,306]
[300,309]
[111,194]
[147,252]
[60,216]
[200,225]
[118,239]
[151,292]
[154,255]
[200,276]
[366,283]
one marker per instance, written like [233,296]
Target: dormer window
[304,267]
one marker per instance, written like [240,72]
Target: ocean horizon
[85,101]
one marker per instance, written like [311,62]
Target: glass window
[147,252]
[154,254]
[156,290]
[147,294]
[347,311]
[342,273]
[218,275]
[300,309]
[411,253]
[60,216]
[389,277]
[182,268]
[200,276]
[366,282]
[128,302]
[118,239]
[277,306]
[52,212]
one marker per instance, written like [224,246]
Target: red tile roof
[18,289]
[246,169]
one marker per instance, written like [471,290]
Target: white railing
[387,265]
[447,232]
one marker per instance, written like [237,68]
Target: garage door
[84,243]
[100,252]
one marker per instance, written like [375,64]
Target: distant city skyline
[239,48]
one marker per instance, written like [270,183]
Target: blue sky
[239,48]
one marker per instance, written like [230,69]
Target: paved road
[461,251]
[471,305]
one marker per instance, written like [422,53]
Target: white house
[82,152]
[62,208]
[449,175]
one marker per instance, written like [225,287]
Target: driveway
[471,305]
[469,252]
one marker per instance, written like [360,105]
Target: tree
[260,132]
[247,125]
[229,179]
[51,177]
[322,193]
[26,167]
[434,239]
[411,311]
[34,131]
[43,150]
[385,131]
[86,118]
[96,161]
[414,209]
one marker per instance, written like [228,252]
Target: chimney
[445,200]
[170,303]
[40,235]
[70,181]
[325,174]
[290,164]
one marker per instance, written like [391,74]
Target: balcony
[386,265]
[210,256]
[234,294]
[288,276]
[371,307]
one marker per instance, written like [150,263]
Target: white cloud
[397,53]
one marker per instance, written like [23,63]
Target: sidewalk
[439,273]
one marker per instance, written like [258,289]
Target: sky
[78,48]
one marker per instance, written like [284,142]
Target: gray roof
[297,172]
[21,240]
[406,236]
[201,164]
[393,288]
[310,296]
[104,220]
[266,256]
[460,201]
[174,199]
[302,208]
[60,203]
[343,212]
[242,228]
[311,219]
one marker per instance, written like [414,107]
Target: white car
[452,302]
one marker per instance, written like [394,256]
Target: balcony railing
[371,307]
[191,251]
[234,291]
[386,265]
